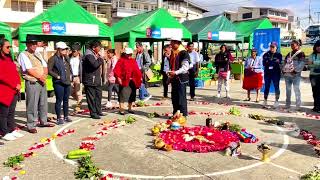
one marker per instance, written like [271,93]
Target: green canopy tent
[66,21]
[213,29]
[5,31]
[152,26]
[246,28]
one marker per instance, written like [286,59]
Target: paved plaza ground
[128,151]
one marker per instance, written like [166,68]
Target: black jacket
[91,69]
[271,66]
[223,60]
[59,67]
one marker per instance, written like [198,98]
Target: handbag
[149,74]
[289,67]
[223,74]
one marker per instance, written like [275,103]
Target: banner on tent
[222,35]
[75,29]
[163,32]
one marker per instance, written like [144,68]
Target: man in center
[179,78]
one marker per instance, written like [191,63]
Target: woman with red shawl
[10,86]
[128,77]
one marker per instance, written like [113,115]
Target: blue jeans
[62,93]
[143,92]
[275,79]
[295,81]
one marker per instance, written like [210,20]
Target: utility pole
[187,17]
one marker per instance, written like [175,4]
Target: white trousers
[225,82]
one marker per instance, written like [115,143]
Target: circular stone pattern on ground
[129,150]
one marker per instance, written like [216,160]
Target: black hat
[76,47]
[30,39]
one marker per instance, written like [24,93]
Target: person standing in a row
[111,80]
[193,69]
[179,64]
[60,70]
[76,67]
[34,71]
[165,68]
[10,86]
[128,77]
[314,64]
[144,61]
[92,78]
[253,75]
[272,73]
[294,64]
[223,65]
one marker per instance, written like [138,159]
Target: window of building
[122,4]
[272,13]
[146,7]
[263,12]
[134,6]
[22,6]
[247,15]
[153,7]
[283,14]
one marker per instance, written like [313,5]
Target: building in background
[184,9]
[280,18]
[179,9]
[15,12]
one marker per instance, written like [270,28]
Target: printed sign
[209,35]
[46,28]
[262,39]
[149,32]
[156,33]
[215,36]
[60,28]
[221,36]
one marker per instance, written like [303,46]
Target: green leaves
[312,175]
[14,160]
[87,169]
[235,111]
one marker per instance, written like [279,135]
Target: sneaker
[95,116]
[276,104]
[218,95]
[9,137]
[16,134]
[60,121]
[298,108]
[147,98]
[228,96]
[109,105]
[265,103]
[67,119]
[287,107]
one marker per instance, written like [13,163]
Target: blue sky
[298,7]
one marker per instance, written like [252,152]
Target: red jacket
[127,69]
[9,79]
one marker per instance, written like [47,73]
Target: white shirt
[75,63]
[25,62]
[166,66]
[194,58]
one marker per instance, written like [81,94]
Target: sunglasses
[8,47]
